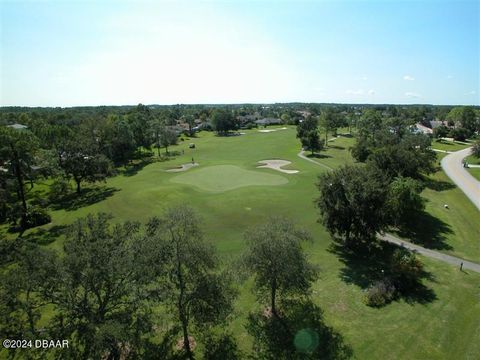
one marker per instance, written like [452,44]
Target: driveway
[453,167]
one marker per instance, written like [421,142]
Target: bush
[406,268]
[35,217]
[58,189]
[460,134]
[380,293]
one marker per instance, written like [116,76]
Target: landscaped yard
[449,145]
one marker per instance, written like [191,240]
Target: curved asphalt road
[453,167]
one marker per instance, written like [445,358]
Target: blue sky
[65,53]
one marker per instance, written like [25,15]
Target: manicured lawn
[454,230]
[472,160]
[220,178]
[442,323]
[449,145]
[475,172]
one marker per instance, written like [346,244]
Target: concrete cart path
[467,265]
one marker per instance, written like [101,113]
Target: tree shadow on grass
[134,168]
[299,332]
[438,185]
[364,268]
[87,197]
[336,147]
[45,236]
[427,231]
[318,156]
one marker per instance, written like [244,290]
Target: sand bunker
[183,167]
[276,165]
[272,130]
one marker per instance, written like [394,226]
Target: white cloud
[355,92]
[412,95]
[449,76]
[364,78]
[408,78]
[371,92]
[473,92]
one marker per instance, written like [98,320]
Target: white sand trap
[183,167]
[276,165]
[272,130]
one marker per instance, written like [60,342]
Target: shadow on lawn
[318,156]
[428,231]
[438,185]
[337,147]
[45,236]
[299,332]
[89,196]
[364,268]
[134,168]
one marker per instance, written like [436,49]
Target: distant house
[304,113]
[268,121]
[245,119]
[436,123]
[18,126]
[419,128]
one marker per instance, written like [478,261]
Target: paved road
[453,167]
[467,265]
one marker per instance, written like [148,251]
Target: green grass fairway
[446,326]
[221,178]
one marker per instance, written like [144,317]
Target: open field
[231,194]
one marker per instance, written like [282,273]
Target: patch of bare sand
[276,165]
[271,130]
[183,167]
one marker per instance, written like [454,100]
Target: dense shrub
[35,216]
[460,134]
[380,293]
[59,188]
[406,268]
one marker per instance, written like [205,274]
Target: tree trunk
[181,307]
[20,188]
[78,185]
[273,294]
[326,138]
[186,341]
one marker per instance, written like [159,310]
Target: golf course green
[230,194]
[227,177]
